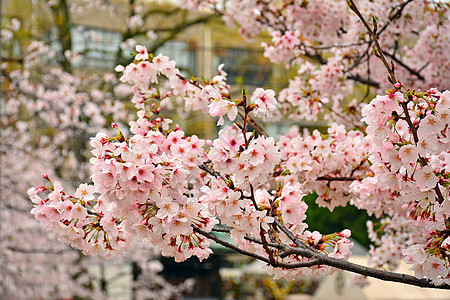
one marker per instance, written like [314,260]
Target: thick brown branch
[321,259]
[12,60]
[274,263]
[366,271]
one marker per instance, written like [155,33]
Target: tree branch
[367,81]
[397,15]
[310,263]
[205,168]
[317,258]
[367,271]
[422,160]
[340,115]
[398,61]
[374,36]
[292,237]
[163,12]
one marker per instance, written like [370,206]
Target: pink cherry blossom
[265,102]
[387,155]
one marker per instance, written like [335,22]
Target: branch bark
[317,258]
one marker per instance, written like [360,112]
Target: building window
[182,53]
[244,66]
[98,47]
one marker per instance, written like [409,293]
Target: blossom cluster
[163,187]
[409,156]
[171,190]
[142,191]
[166,188]
[316,160]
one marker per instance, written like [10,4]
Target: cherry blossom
[388,156]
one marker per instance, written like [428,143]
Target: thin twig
[291,236]
[401,63]
[258,127]
[397,15]
[205,168]
[374,36]
[261,231]
[340,115]
[358,166]
[40,251]
[422,160]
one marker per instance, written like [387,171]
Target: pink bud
[169,93]
[153,104]
[45,176]
[398,85]
[114,125]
